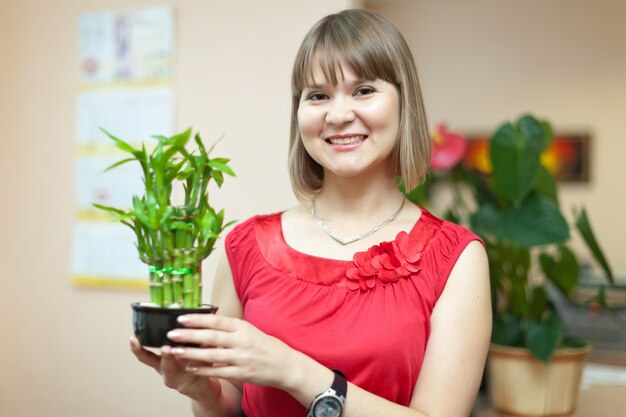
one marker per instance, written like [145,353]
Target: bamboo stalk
[188,291]
[178,281]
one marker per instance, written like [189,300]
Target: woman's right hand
[205,391]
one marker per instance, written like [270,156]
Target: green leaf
[218,177]
[507,331]
[514,163]
[418,195]
[537,221]
[120,143]
[562,270]
[480,189]
[584,227]
[538,303]
[571,342]
[537,134]
[201,147]
[543,337]
[140,211]
[545,184]
[214,163]
[109,209]
[118,163]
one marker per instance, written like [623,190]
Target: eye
[316,96]
[364,91]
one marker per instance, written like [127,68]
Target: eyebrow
[352,83]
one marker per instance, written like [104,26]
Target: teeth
[346,141]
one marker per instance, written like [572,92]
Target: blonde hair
[373,48]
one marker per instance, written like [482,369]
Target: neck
[361,199]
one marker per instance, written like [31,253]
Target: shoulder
[446,234]
[249,225]
[447,242]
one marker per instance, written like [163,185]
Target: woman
[338,305]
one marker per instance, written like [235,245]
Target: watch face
[327,407]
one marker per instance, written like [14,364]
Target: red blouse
[368,317]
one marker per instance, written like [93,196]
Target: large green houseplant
[172,239]
[516,211]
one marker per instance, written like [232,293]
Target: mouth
[346,140]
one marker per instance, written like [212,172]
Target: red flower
[448,150]
[385,263]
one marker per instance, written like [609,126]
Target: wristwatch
[330,403]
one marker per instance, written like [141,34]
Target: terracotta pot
[520,385]
[151,324]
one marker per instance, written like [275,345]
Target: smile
[346,141]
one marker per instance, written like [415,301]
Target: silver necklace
[358,237]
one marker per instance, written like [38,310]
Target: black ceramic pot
[151,324]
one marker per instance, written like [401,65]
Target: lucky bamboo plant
[173,239]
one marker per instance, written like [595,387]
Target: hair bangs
[336,46]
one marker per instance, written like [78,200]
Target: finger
[214,356]
[210,321]
[223,372]
[145,356]
[204,337]
[170,364]
[172,368]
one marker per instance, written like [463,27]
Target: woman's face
[350,128]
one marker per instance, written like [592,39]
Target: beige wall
[485,61]
[64,349]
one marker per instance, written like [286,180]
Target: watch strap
[338,389]
[340,385]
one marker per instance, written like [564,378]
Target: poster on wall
[125,85]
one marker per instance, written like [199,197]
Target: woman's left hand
[235,350]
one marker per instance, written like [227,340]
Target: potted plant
[534,368]
[172,240]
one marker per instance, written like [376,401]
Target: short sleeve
[446,248]
[239,244]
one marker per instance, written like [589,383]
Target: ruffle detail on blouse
[451,242]
[387,262]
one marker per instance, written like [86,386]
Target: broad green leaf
[537,134]
[562,269]
[543,337]
[584,227]
[545,184]
[537,221]
[514,162]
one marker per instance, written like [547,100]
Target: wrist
[306,378]
[208,401]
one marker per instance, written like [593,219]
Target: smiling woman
[392,321]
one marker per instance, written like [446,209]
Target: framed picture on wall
[567,158]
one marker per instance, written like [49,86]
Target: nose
[340,112]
